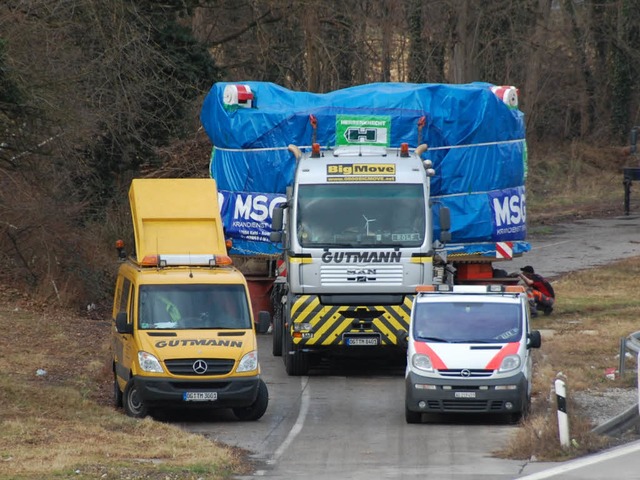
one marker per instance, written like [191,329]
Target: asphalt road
[346,420]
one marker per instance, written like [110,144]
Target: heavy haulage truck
[183,333]
[339,205]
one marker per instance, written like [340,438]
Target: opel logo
[463,373]
[200,367]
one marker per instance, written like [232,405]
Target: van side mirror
[535,339]
[264,320]
[122,325]
[445,224]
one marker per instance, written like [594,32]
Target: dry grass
[61,425]
[595,309]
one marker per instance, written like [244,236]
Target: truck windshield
[183,307]
[467,322]
[361,215]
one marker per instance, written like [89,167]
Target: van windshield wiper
[434,339]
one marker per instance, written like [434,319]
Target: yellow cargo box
[176,217]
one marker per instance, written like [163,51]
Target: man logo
[200,367]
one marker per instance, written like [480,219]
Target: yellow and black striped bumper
[317,325]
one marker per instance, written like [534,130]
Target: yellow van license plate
[199,396]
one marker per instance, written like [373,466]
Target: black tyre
[117,393]
[277,334]
[257,409]
[411,416]
[133,404]
[296,363]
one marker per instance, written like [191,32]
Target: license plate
[199,396]
[465,394]
[364,341]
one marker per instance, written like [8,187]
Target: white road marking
[583,462]
[297,427]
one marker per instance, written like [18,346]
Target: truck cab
[357,241]
[183,329]
[469,351]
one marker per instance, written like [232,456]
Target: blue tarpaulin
[476,143]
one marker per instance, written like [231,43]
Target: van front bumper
[436,395]
[230,393]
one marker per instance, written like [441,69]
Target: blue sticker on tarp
[248,215]
[509,208]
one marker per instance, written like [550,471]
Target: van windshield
[184,307]
[467,322]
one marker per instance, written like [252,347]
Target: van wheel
[277,334]
[296,363]
[411,416]
[133,404]
[117,393]
[257,409]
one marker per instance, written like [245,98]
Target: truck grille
[185,366]
[344,275]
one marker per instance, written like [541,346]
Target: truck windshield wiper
[330,245]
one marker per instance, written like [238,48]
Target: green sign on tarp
[363,130]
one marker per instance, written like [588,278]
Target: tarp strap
[447,147]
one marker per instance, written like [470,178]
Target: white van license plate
[199,396]
[465,394]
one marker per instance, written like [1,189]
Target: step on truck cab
[183,331]
[469,351]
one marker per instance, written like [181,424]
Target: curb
[621,423]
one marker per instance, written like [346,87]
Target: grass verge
[581,340]
[56,419]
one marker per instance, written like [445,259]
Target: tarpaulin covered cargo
[476,142]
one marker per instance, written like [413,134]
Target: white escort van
[469,351]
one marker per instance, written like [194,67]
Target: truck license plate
[362,341]
[199,396]
[465,394]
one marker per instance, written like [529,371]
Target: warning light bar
[202,260]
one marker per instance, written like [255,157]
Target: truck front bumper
[434,395]
[230,393]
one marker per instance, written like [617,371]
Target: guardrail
[628,344]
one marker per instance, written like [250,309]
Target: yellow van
[183,330]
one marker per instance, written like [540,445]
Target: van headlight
[422,362]
[510,362]
[149,363]
[248,362]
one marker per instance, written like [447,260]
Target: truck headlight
[510,362]
[422,362]
[248,362]
[149,363]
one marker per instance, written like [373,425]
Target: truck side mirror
[445,225]
[122,326]
[277,222]
[535,339]
[264,320]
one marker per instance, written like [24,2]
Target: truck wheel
[117,393]
[277,335]
[296,363]
[257,409]
[411,416]
[133,404]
